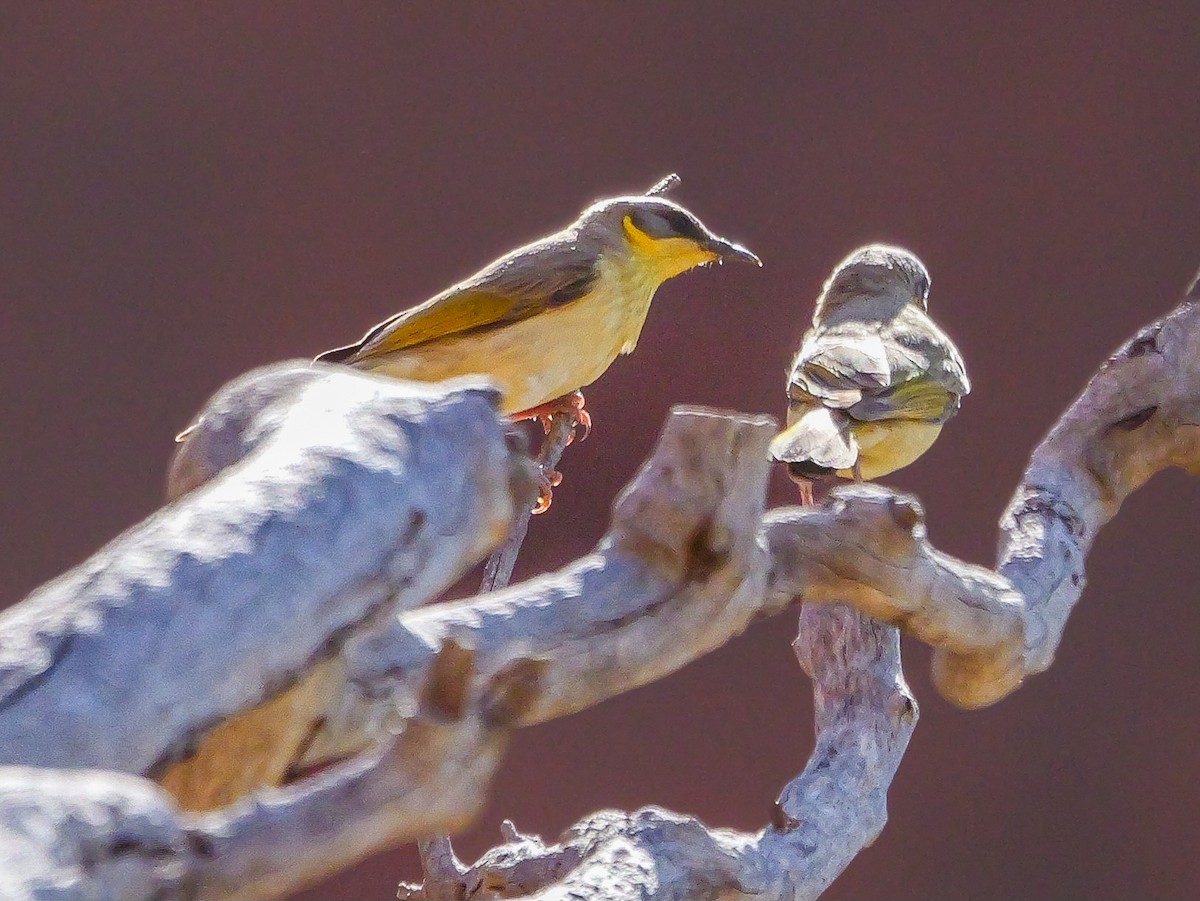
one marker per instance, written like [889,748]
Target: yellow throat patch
[666,257]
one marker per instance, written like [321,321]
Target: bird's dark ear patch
[667,222]
[682,225]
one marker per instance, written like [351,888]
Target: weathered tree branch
[90,834]
[1137,416]
[864,716]
[254,633]
[432,775]
[868,548]
[222,598]
[678,572]
[686,527]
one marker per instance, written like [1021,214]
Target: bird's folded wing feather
[838,370]
[878,376]
[509,291]
[922,398]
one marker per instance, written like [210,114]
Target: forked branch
[253,645]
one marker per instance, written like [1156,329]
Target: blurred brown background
[188,193]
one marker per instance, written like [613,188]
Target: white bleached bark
[867,547]
[823,818]
[315,507]
[329,519]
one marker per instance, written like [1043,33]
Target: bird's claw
[580,418]
[547,481]
[572,404]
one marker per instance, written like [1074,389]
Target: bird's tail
[816,444]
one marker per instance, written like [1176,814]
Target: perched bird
[549,318]
[875,378]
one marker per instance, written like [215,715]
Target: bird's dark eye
[682,225]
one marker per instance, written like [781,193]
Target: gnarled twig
[864,716]
[499,568]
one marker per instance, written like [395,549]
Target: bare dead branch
[305,518]
[864,716]
[684,533]
[499,568]
[1137,416]
[868,548]
[90,834]
[326,518]
[679,571]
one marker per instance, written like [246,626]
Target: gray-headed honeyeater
[548,318]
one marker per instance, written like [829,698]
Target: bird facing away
[875,379]
[549,318]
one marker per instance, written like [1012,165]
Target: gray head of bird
[654,233]
[878,274]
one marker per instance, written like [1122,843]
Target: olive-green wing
[922,398]
[512,289]
[929,378]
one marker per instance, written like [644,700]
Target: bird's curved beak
[727,250]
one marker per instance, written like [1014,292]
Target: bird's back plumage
[870,389]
